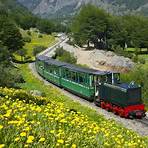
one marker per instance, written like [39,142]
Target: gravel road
[130,124]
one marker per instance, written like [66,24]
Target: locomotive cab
[121,98]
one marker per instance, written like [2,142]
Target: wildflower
[1,126]
[42,140]
[30,139]
[73,146]
[23,134]
[2,145]
[61,141]
[16,139]
[52,131]
[26,145]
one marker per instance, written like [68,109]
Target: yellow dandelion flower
[61,141]
[23,134]
[26,145]
[42,140]
[52,131]
[2,145]
[16,139]
[1,126]
[30,139]
[73,146]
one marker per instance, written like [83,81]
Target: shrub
[9,77]
[119,51]
[38,49]
[29,33]
[27,39]
[141,60]
[40,36]
[65,56]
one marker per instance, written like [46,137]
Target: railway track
[143,121]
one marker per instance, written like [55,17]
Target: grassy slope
[46,40]
[33,83]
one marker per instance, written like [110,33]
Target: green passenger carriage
[75,79]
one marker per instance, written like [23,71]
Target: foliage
[10,35]
[45,26]
[65,56]
[40,36]
[90,26]
[51,124]
[46,40]
[107,31]
[22,53]
[29,32]
[27,39]
[38,49]
[9,75]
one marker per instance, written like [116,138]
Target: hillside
[14,8]
[33,121]
[58,8]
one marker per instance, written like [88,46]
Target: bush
[141,60]
[27,39]
[29,33]
[40,36]
[135,58]
[119,51]
[65,56]
[38,49]
[10,77]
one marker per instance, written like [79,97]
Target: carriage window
[73,76]
[103,79]
[117,77]
[82,79]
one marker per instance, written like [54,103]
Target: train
[104,88]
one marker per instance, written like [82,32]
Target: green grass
[133,49]
[36,122]
[46,40]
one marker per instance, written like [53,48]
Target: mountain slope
[50,8]
[15,10]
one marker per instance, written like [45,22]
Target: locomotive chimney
[113,78]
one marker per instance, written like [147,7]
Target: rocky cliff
[50,8]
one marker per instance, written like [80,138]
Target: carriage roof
[70,66]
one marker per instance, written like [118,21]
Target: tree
[45,26]
[22,52]
[116,32]
[90,26]
[38,49]
[10,35]
[136,27]
[28,21]
[9,75]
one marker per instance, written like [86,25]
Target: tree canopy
[10,35]
[90,25]
[106,31]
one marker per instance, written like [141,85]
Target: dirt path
[100,59]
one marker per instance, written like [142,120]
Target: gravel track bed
[138,127]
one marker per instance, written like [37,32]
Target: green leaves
[88,26]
